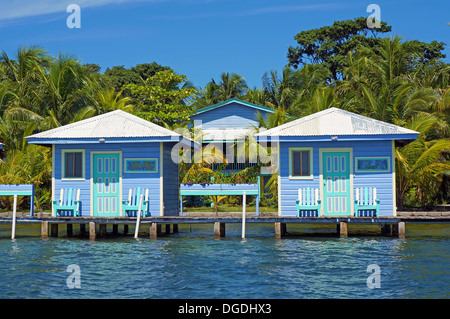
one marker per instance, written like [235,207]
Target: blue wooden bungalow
[107,155]
[337,163]
[225,123]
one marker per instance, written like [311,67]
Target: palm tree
[421,164]
[109,100]
[232,85]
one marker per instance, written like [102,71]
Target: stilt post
[401,230]
[92,231]
[155,230]
[280,230]
[44,229]
[219,230]
[82,228]
[343,229]
[102,228]
[69,230]
[54,230]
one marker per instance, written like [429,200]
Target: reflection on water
[192,264]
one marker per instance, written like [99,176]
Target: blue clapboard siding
[382,181]
[129,180]
[170,182]
[233,115]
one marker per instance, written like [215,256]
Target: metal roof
[115,124]
[334,121]
[234,100]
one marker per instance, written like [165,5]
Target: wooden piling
[401,230]
[82,229]
[280,230]
[175,228]
[386,230]
[125,229]
[155,230]
[115,229]
[219,229]
[92,231]
[54,230]
[102,229]
[69,228]
[343,229]
[44,229]
[167,229]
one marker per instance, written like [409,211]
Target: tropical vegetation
[345,65]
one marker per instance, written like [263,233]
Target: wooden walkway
[390,226]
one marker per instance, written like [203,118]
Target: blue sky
[201,38]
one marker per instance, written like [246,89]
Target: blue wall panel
[129,180]
[170,183]
[382,181]
[233,115]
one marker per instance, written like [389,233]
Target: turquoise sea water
[191,264]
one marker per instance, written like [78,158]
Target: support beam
[115,229]
[54,230]
[280,230]
[44,229]
[343,229]
[155,230]
[69,230]
[219,230]
[92,231]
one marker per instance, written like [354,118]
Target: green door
[106,192]
[336,183]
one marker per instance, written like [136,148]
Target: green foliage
[165,95]
[329,45]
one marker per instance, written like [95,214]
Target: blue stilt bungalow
[107,155]
[346,159]
[226,123]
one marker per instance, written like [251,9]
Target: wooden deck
[392,226]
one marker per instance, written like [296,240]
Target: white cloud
[15,9]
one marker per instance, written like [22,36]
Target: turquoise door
[336,184]
[106,192]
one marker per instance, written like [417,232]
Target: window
[73,164]
[300,163]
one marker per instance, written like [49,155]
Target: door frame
[92,179]
[336,149]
